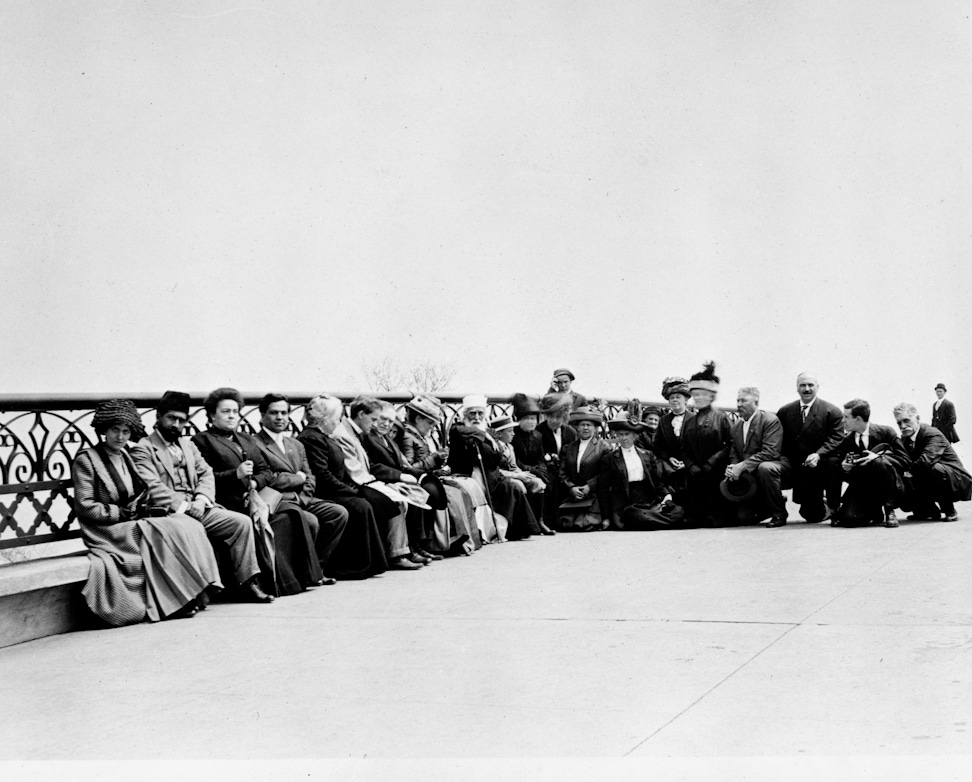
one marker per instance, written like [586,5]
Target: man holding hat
[562,378]
[705,444]
[943,414]
[872,459]
[180,479]
[581,474]
[752,481]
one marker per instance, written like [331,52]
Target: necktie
[860,443]
[803,411]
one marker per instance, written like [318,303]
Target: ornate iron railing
[40,436]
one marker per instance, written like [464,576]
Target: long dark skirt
[361,552]
[297,566]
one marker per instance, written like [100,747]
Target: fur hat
[705,380]
[675,385]
[173,401]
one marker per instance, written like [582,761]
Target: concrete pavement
[736,642]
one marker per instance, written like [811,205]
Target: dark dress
[706,441]
[295,565]
[361,552]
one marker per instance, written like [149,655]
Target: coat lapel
[163,453]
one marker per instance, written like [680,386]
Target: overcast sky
[268,195]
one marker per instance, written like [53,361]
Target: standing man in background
[943,415]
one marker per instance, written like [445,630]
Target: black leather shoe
[430,555]
[545,530]
[326,581]
[777,521]
[953,516]
[254,594]
[890,518]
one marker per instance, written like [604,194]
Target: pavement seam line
[772,643]
[718,684]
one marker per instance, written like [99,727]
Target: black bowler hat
[941,386]
[437,493]
[174,401]
[739,490]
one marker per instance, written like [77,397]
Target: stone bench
[42,597]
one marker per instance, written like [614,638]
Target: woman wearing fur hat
[706,441]
[581,474]
[144,562]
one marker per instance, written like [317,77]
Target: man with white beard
[471,446]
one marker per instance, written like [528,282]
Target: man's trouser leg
[234,532]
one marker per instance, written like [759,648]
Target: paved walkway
[736,642]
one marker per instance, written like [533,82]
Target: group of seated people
[171,520]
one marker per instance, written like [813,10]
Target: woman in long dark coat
[239,466]
[144,563]
[361,552]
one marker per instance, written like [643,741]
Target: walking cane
[489,499]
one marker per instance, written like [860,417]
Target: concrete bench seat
[42,597]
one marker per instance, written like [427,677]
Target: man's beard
[169,435]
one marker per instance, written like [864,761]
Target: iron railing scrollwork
[40,436]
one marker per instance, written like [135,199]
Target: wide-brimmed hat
[118,412]
[564,371]
[501,422]
[706,379]
[623,423]
[586,414]
[473,401]
[437,493]
[551,404]
[524,404]
[941,386]
[739,490]
[675,385]
[173,401]
[424,407]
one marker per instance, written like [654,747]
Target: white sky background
[265,195]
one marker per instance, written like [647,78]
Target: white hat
[473,401]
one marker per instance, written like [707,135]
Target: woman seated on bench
[145,564]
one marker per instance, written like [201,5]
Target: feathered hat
[524,404]
[706,379]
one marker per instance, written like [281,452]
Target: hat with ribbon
[586,414]
[424,407]
[623,423]
[501,422]
[551,404]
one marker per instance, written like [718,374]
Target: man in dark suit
[873,474]
[180,479]
[934,472]
[812,431]
[943,415]
[757,442]
[293,477]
